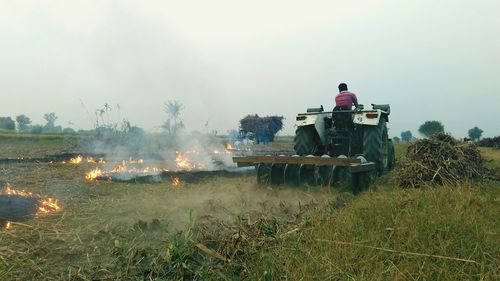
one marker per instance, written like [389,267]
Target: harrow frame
[311,170]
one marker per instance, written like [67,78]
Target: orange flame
[76,160]
[7,190]
[91,159]
[93,174]
[79,159]
[183,162]
[122,167]
[229,147]
[135,166]
[8,225]
[176,181]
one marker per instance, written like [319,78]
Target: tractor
[330,147]
[349,133]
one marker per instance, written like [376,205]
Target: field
[229,228]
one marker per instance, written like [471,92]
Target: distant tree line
[490,142]
[429,128]
[24,124]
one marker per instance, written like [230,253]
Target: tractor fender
[306,119]
[318,120]
[370,118]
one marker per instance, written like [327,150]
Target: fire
[91,159]
[45,205]
[122,168]
[7,190]
[184,163]
[229,147]
[93,174]
[80,159]
[76,160]
[8,225]
[175,181]
[48,205]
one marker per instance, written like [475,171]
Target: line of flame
[79,159]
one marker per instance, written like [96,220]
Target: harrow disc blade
[340,174]
[326,174]
[292,174]
[307,174]
[277,173]
[263,173]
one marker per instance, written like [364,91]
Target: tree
[406,136]
[475,133]
[396,139]
[264,128]
[51,120]
[23,122]
[7,123]
[430,128]
[174,122]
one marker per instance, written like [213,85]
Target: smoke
[133,152]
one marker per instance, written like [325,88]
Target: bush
[490,142]
[37,129]
[69,131]
[7,123]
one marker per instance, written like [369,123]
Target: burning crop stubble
[19,205]
[96,214]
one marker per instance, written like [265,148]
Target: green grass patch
[419,234]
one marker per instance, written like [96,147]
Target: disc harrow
[310,170]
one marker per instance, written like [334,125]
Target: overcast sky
[429,59]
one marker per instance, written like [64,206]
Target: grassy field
[229,228]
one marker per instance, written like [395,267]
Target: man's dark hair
[342,87]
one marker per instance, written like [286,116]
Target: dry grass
[122,231]
[423,234]
[491,157]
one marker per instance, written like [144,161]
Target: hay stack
[439,160]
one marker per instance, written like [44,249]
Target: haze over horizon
[430,60]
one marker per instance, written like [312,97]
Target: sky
[224,59]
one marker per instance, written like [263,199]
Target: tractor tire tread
[373,147]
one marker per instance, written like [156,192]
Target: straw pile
[439,160]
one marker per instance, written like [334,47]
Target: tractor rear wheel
[375,145]
[306,141]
